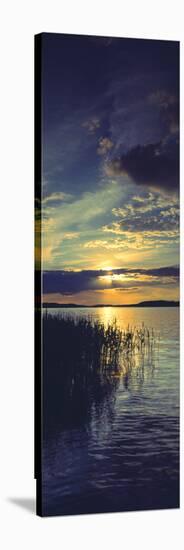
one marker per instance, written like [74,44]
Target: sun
[108,268]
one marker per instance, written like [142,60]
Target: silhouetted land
[149,303]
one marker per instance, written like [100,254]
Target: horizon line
[155,303]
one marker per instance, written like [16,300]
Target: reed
[83,361]
[91,344]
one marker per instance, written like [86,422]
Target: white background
[20,20]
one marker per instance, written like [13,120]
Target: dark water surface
[123,455]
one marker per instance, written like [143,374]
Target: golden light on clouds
[114,296]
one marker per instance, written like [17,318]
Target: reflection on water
[113,442]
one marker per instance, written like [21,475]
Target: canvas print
[106,274]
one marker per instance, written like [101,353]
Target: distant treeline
[149,303]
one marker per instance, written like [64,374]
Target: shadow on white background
[28,504]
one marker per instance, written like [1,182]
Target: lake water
[127,456]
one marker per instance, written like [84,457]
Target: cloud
[146,222]
[152,216]
[105,145]
[56,198]
[74,282]
[71,235]
[148,165]
[145,241]
[162,98]
[169,107]
[109,245]
[91,125]
[81,215]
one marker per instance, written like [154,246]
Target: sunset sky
[110,170]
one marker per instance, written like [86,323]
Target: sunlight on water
[126,456]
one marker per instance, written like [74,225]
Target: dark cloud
[149,165]
[126,89]
[170,271]
[73,282]
[168,105]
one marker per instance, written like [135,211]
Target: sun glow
[107,268]
[110,277]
